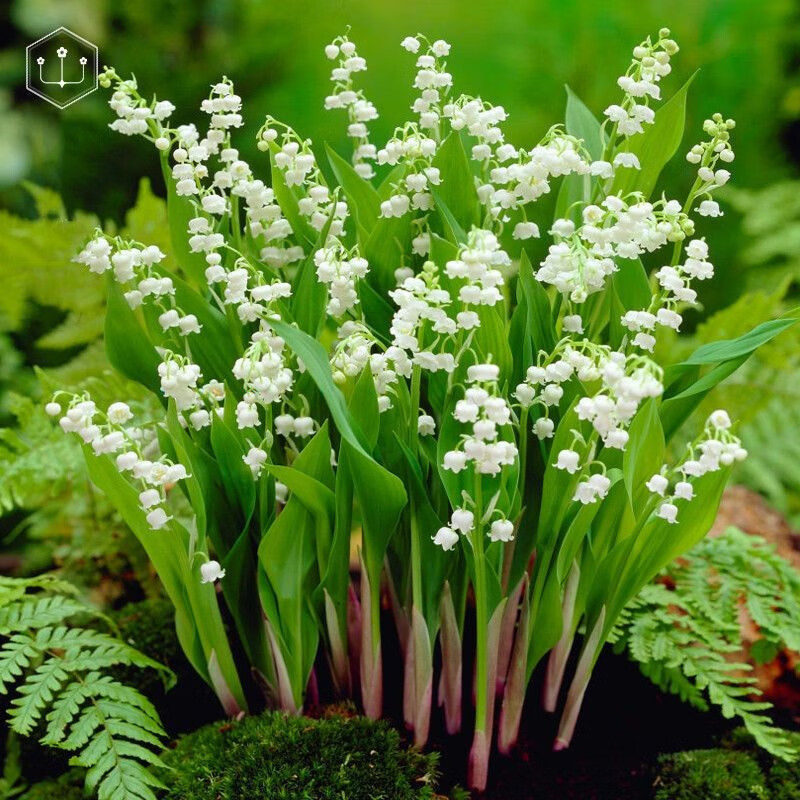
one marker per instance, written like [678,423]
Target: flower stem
[413,440]
[523,448]
[481,611]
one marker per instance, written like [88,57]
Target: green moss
[710,775]
[275,757]
[149,626]
[783,778]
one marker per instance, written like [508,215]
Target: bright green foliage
[768,390]
[35,461]
[278,757]
[36,267]
[710,775]
[41,472]
[37,271]
[56,673]
[687,638]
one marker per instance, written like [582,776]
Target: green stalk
[523,448]
[481,612]
[413,440]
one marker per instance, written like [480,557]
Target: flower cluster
[651,62]
[483,449]
[487,413]
[708,155]
[355,350]
[295,159]
[412,192]
[675,290]
[620,383]
[432,80]
[135,449]
[582,257]
[518,177]
[339,269]
[133,266]
[134,115]
[360,111]
[264,372]
[717,447]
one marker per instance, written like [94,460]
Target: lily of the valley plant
[412,344]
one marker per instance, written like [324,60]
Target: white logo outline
[31,86]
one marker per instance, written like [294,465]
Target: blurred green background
[518,53]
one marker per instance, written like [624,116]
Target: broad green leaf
[457,189]
[198,621]
[644,453]
[287,554]
[309,294]
[583,124]
[377,311]
[743,345]
[686,386]
[315,359]
[452,226]
[237,479]
[386,248]
[539,312]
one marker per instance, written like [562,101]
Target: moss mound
[275,757]
[783,778]
[710,775]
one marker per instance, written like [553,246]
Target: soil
[625,723]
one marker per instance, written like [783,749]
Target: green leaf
[315,359]
[581,123]
[457,190]
[385,248]
[686,386]
[644,454]
[726,350]
[362,199]
[128,347]
[455,233]
[179,211]
[287,554]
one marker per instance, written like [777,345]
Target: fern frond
[39,612]
[55,669]
[686,638]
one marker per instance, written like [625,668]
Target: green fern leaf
[55,669]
